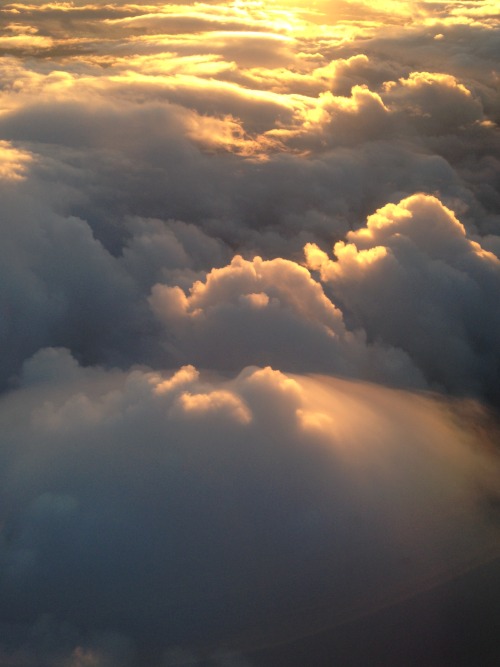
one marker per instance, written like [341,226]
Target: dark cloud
[174,510]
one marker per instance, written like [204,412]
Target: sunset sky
[250,333]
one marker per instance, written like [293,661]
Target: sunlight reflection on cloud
[321,456]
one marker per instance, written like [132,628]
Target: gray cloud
[193,512]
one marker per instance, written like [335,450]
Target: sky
[250,333]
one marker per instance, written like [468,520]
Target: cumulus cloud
[58,283]
[194,511]
[162,167]
[270,312]
[436,103]
[415,262]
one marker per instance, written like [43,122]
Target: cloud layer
[219,435]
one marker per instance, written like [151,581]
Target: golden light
[13,162]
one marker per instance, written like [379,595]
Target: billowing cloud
[195,468]
[270,312]
[191,510]
[415,262]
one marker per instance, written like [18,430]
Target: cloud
[270,312]
[162,167]
[412,278]
[13,162]
[187,509]
[427,99]
[58,283]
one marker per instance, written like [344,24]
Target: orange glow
[13,162]
[249,56]
[218,401]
